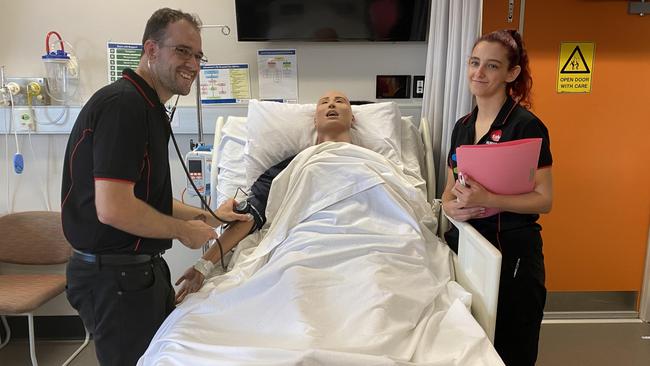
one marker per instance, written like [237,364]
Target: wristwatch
[204,267]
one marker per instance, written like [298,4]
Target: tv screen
[332,20]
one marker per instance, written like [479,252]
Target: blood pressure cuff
[260,193]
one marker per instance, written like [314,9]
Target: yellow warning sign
[575,67]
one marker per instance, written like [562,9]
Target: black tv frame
[423,5]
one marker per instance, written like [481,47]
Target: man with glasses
[117,206]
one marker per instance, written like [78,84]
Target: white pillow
[229,163]
[378,127]
[277,131]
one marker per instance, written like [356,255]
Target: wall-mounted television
[332,20]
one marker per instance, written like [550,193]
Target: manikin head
[333,119]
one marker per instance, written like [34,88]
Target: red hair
[510,39]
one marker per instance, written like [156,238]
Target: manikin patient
[333,121]
[349,272]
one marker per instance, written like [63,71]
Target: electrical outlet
[23,120]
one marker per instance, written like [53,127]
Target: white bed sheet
[350,275]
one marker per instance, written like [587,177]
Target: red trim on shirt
[72,156]
[137,245]
[509,112]
[146,157]
[466,118]
[137,86]
[142,167]
[148,177]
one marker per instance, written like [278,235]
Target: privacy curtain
[453,28]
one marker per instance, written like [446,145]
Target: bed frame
[478,263]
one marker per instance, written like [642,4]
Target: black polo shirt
[513,122]
[121,134]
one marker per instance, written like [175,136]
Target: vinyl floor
[571,344]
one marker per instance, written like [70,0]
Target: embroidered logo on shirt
[496,135]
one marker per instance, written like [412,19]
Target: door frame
[644,308]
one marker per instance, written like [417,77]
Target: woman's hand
[472,194]
[452,206]
[459,212]
[192,281]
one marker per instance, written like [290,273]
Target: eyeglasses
[186,53]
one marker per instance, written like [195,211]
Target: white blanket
[347,274]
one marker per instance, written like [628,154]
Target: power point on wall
[27,121]
[418,86]
[23,119]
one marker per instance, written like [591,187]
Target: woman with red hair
[499,78]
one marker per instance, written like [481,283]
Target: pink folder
[504,168]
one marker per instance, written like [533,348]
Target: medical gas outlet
[13,88]
[28,91]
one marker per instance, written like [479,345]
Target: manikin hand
[191,282]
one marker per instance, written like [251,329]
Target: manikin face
[176,60]
[488,70]
[333,112]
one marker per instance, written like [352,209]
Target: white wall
[88,25]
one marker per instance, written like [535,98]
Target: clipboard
[505,168]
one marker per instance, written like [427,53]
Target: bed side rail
[478,269]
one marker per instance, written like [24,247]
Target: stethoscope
[170,115]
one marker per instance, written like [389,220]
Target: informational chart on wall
[575,67]
[225,83]
[278,75]
[120,56]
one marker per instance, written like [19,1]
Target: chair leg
[32,345]
[86,340]
[7,331]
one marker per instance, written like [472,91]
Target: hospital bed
[476,268]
